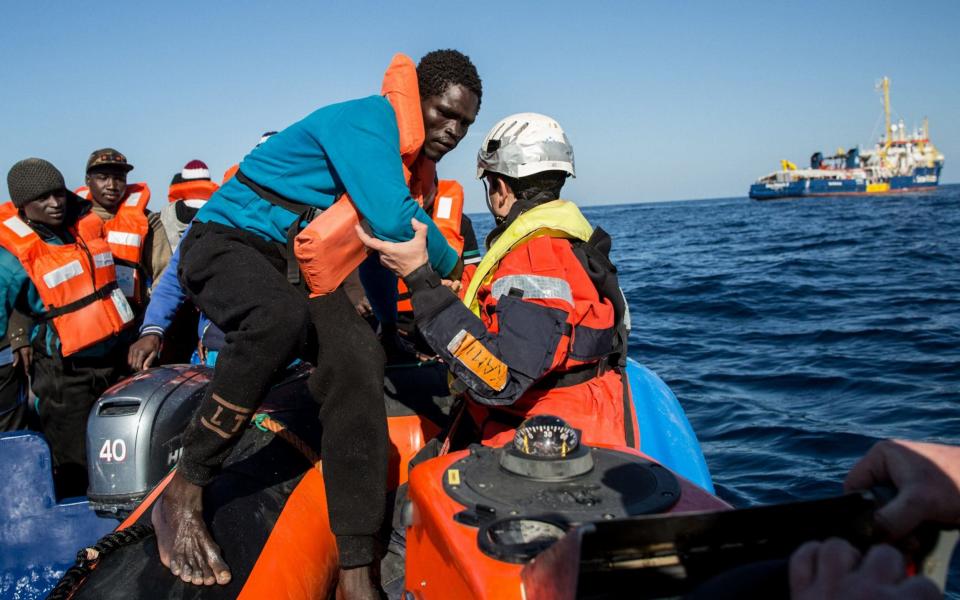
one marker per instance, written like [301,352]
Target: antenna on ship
[884,86]
[886,111]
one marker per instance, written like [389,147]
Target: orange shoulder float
[76,282]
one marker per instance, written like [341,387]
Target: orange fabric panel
[595,407]
[229,173]
[299,559]
[192,190]
[407,436]
[448,212]
[443,559]
[328,249]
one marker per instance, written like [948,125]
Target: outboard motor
[134,434]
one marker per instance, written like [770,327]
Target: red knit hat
[195,170]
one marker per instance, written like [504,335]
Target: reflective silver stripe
[104,259]
[453,344]
[133,199]
[533,286]
[626,311]
[472,261]
[16,225]
[65,273]
[123,239]
[123,308]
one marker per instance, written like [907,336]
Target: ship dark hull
[925,178]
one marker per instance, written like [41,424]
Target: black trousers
[239,280]
[13,402]
[66,388]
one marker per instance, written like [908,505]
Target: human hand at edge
[453,285]
[927,478]
[144,351]
[23,356]
[834,569]
[402,258]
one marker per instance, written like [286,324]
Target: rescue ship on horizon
[899,162]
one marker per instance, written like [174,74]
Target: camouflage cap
[107,157]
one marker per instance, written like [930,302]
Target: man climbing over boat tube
[237,266]
[56,267]
[541,329]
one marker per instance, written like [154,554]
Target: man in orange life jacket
[235,265]
[136,235]
[56,267]
[541,328]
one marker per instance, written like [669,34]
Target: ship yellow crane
[786,165]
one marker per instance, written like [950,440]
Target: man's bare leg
[358,584]
[185,545]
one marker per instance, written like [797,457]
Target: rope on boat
[267,423]
[89,558]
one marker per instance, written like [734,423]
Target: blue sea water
[796,333]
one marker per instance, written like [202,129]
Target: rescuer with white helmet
[540,329]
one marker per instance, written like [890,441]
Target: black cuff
[196,473]
[422,278]
[356,550]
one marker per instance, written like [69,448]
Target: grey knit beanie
[31,178]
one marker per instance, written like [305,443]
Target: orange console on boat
[475,518]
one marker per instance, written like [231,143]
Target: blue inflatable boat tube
[39,537]
[665,432]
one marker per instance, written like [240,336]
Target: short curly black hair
[441,68]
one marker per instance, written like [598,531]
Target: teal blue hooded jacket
[351,147]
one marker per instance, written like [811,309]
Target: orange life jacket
[126,233]
[200,189]
[76,282]
[447,215]
[328,249]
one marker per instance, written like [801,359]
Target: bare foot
[358,584]
[185,545]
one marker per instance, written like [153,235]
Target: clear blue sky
[662,100]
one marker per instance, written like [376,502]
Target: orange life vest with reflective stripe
[447,215]
[126,233]
[200,189]
[76,282]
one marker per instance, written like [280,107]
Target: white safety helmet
[525,144]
